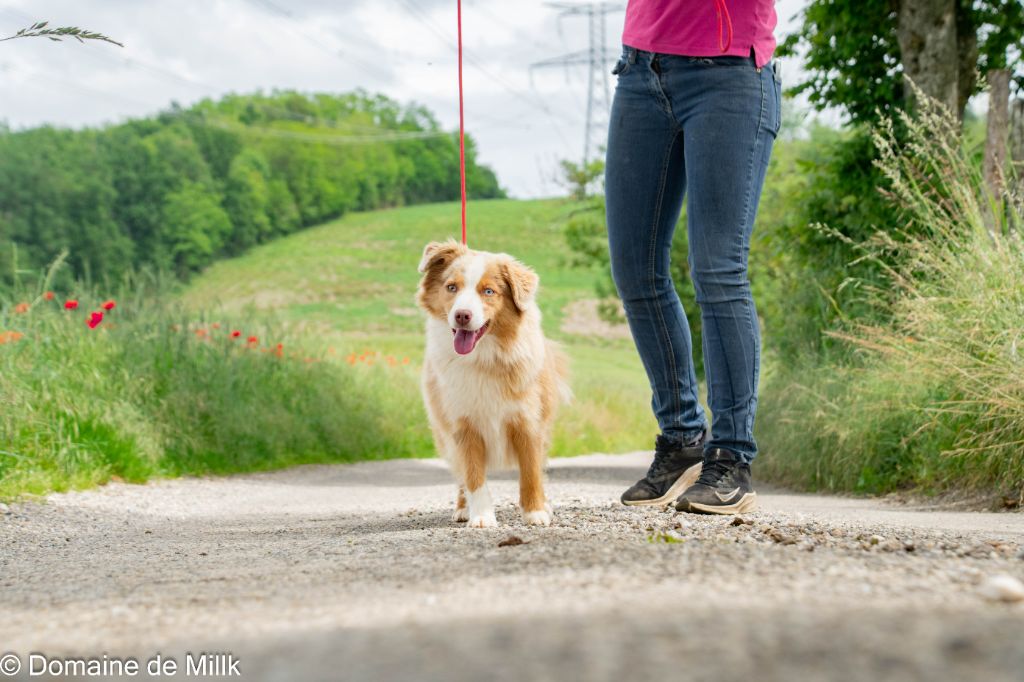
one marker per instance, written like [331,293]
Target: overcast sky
[185,50]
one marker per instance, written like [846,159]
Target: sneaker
[723,487]
[674,469]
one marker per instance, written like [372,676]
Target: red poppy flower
[253,340]
[279,351]
[48,296]
[216,325]
[94,319]
[21,308]
[70,305]
[235,334]
[109,305]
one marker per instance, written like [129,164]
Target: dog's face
[477,294]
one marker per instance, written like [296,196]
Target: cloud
[185,50]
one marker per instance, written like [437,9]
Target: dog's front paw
[541,517]
[460,514]
[483,520]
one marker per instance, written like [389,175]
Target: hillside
[348,285]
[181,189]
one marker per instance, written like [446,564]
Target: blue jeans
[702,128]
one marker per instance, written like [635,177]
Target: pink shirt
[691,27]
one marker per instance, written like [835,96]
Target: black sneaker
[674,469]
[723,487]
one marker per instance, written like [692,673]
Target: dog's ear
[440,254]
[522,282]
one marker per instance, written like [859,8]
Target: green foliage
[194,227]
[146,394]
[184,188]
[932,396]
[852,54]
[579,178]
[805,279]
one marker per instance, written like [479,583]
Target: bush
[931,393]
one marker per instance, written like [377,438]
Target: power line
[323,138]
[334,52]
[533,101]
[595,58]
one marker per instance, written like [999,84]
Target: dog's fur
[492,406]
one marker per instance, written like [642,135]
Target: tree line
[180,189]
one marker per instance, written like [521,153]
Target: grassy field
[305,350]
[348,286]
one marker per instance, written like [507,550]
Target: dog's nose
[462,317]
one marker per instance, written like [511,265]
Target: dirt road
[356,572]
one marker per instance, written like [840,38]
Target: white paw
[461,514]
[484,520]
[541,517]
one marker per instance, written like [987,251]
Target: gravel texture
[356,572]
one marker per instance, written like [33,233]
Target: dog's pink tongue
[465,340]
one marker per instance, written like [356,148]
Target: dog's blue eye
[452,288]
[489,292]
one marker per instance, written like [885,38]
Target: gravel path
[356,572]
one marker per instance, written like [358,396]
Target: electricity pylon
[596,59]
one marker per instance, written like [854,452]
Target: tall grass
[933,397]
[152,391]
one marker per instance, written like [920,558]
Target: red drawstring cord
[462,130]
[722,10]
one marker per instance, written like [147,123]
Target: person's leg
[644,187]
[729,111]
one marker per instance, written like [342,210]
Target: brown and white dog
[491,381]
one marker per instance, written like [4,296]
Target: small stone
[1002,588]
[4,509]
[740,521]
[876,539]
[780,537]
[512,541]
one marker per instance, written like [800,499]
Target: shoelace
[659,465]
[712,472]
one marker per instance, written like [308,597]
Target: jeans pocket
[621,67]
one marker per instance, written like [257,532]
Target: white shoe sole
[746,504]
[688,478]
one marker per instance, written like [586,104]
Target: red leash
[462,131]
[724,37]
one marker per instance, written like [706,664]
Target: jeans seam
[677,406]
[747,219]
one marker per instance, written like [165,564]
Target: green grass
[930,395]
[144,395]
[349,285]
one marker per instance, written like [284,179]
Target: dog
[491,381]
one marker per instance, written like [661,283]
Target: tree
[580,178]
[857,51]
[247,200]
[195,227]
